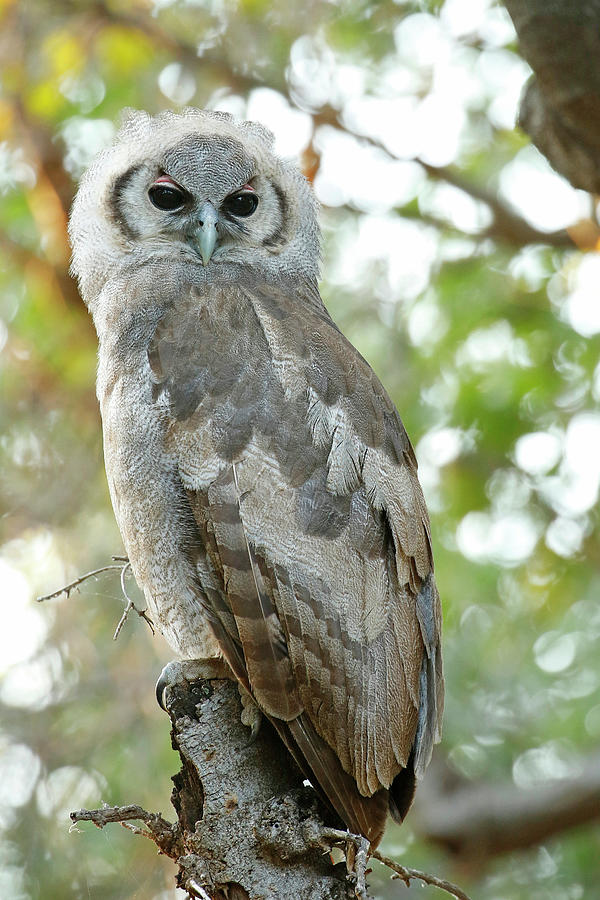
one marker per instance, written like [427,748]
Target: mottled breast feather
[316,555]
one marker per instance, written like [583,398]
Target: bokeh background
[464,269]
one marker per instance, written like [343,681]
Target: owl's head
[197,185]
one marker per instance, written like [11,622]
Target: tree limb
[507,226]
[247,827]
[244,816]
[165,835]
[560,109]
[479,821]
[184,51]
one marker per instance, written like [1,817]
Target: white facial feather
[113,227]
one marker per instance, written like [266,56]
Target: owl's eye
[166,195]
[242,204]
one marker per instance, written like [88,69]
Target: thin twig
[356,861]
[75,584]
[406,874]
[359,867]
[130,605]
[123,566]
[108,814]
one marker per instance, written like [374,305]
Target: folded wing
[316,556]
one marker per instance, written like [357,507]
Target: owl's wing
[317,561]
[267,671]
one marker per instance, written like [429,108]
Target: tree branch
[244,818]
[408,874]
[508,226]
[247,827]
[123,566]
[479,821]
[184,51]
[560,109]
[165,835]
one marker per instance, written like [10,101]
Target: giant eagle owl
[264,485]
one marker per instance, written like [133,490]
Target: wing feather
[263,643]
[318,558]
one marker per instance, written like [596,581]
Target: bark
[560,109]
[245,825]
[247,828]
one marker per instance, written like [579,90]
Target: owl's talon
[188,670]
[251,715]
[159,690]
[254,728]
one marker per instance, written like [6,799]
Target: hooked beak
[207,231]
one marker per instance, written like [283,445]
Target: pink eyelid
[165,179]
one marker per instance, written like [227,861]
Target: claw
[189,670]
[161,686]
[251,715]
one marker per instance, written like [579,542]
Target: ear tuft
[130,115]
[259,132]
[134,123]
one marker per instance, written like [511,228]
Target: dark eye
[166,197]
[242,204]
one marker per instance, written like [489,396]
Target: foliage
[479,319]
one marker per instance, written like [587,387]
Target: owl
[262,480]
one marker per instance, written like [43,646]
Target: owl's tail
[402,791]
[319,763]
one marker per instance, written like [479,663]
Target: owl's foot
[251,715]
[357,850]
[189,670]
[197,669]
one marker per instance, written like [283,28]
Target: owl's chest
[150,503]
[224,382]
[186,399]
[140,471]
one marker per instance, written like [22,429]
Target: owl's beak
[207,231]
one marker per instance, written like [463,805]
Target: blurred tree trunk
[560,108]
[476,821]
